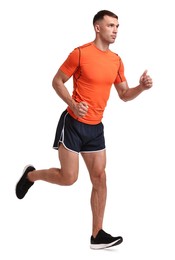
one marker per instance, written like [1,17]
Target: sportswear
[24,184]
[104,240]
[94,71]
[77,136]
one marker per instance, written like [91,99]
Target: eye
[113,25]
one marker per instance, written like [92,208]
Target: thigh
[69,161]
[95,162]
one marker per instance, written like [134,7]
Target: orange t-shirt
[94,71]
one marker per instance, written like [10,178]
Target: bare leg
[66,175]
[96,163]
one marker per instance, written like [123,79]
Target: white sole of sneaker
[103,246]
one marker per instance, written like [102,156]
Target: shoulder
[115,55]
[84,51]
[77,50]
[86,45]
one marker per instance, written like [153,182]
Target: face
[107,29]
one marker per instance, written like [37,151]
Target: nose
[115,30]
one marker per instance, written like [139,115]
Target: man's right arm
[58,84]
[79,109]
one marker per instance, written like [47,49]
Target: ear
[97,28]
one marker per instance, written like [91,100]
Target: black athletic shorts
[77,136]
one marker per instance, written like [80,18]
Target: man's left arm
[126,94]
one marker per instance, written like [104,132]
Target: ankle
[30,176]
[95,232]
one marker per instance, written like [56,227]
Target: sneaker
[24,184]
[104,240]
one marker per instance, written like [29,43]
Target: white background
[54,222]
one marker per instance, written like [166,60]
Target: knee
[98,179]
[69,177]
[70,180]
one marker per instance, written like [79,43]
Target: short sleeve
[70,65]
[120,75]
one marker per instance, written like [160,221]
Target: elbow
[54,83]
[124,99]
[123,95]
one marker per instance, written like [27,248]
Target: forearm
[131,93]
[63,93]
[127,94]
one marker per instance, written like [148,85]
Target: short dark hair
[101,14]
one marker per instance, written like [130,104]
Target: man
[94,68]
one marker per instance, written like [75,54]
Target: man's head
[106,26]
[100,15]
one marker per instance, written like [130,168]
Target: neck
[101,45]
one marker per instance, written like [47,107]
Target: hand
[80,109]
[145,80]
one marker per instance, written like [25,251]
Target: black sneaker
[24,184]
[104,240]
